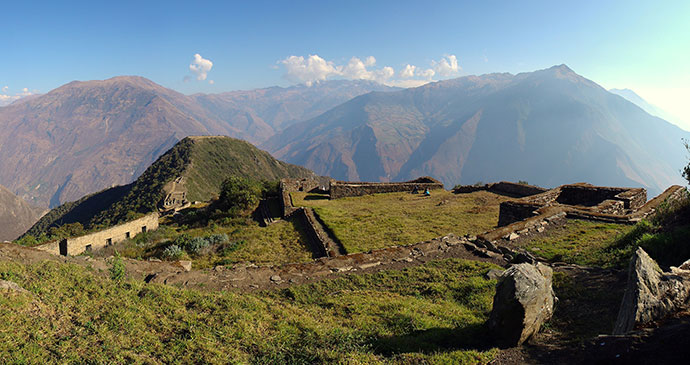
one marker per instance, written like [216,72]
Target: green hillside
[204,162]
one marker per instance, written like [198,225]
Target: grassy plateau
[383,220]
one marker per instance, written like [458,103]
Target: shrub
[217,239]
[195,245]
[117,268]
[239,194]
[172,252]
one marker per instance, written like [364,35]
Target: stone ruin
[342,189]
[582,198]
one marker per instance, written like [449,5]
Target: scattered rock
[470,247]
[505,250]
[512,236]
[368,265]
[276,278]
[524,300]
[150,277]
[685,265]
[186,265]
[7,286]
[152,259]
[541,229]
[493,274]
[651,294]
[524,257]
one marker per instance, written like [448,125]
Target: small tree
[239,194]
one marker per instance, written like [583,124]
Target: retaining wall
[100,239]
[342,189]
[504,187]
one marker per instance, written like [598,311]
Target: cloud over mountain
[314,68]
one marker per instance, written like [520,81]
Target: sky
[221,46]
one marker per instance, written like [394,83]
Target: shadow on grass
[316,197]
[471,337]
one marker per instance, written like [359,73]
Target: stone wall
[322,244]
[342,189]
[587,195]
[513,211]
[504,188]
[577,199]
[100,239]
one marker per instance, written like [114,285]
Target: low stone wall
[342,189]
[515,211]
[100,239]
[587,195]
[504,188]
[321,242]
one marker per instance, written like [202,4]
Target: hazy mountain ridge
[548,127]
[16,215]
[86,136]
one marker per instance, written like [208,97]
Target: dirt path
[247,277]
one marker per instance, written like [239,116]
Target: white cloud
[200,67]
[314,68]
[447,66]
[408,71]
[211,82]
[6,99]
[427,74]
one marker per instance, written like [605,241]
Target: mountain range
[16,215]
[548,127]
[86,136]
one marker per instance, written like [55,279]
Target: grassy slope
[383,220]
[423,314]
[280,243]
[216,158]
[206,162]
[580,242]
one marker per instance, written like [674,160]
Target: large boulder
[524,300]
[651,294]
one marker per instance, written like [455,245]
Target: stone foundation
[92,241]
[342,189]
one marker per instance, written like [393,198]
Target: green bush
[239,194]
[195,245]
[117,268]
[172,252]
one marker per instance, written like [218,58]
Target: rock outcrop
[524,300]
[11,287]
[651,294]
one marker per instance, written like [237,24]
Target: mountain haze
[548,127]
[16,216]
[86,136]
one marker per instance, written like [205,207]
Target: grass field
[382,220]
[580,242]
[428,314]
[280,243]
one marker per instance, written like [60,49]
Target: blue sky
[644,46]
